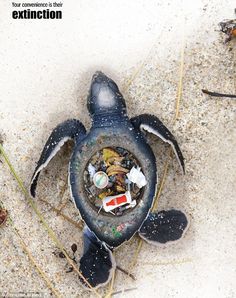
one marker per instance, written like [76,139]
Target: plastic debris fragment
[137,177]
[109,153]
[112,202]
[100,179]
[106,176]
[91,170]
[116,169]
[105,193]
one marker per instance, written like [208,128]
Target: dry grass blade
[125,272]
[31,258]
[136,73]
[110,289]
[173,262]
[177,106]
[135,257]
[62,205]
[50,232]
[123,291]
[41,272]
[112,283]
[141,66]
[163,179]
[180,84]
[79,224]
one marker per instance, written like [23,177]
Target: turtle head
[104,97]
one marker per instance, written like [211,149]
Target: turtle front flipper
[153,125]
[97,263]
[70,129]
[164,227]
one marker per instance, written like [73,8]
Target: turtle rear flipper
[70,129]
[164,227]
[97,263]
[152,124]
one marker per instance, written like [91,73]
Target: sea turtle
[111,128]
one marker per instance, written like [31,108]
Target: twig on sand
[123,291]
[176,116]
[78,224]
[125,272]
[216,94]
[32,259]
[50,232]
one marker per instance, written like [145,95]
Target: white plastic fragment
[131,205]
[137,177]
[112,202]
[91,170]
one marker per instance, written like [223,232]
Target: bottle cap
[100,179]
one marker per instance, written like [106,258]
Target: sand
[46,67]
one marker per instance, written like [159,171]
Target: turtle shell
[111,229]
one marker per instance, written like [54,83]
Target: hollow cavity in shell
[115,162]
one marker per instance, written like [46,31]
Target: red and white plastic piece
[112,202]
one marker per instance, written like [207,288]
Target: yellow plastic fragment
[114,160]
[108,153]
[116,169]
[120,188]
[104,194]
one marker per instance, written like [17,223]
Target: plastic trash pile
[114,180]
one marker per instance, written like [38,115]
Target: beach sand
[45,72]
